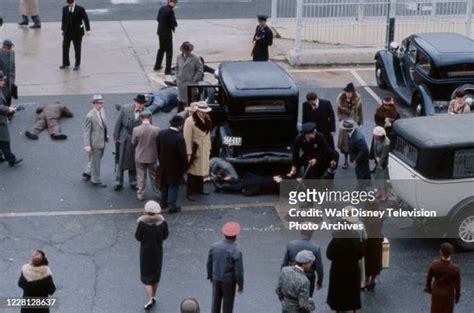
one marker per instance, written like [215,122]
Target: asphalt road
[120,10]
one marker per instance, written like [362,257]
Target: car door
[409,63]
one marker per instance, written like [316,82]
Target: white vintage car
[432,167]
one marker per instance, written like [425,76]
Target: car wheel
[379,76]
[417,103]
[463,230]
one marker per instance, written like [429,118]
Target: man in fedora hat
[262,39]
[48,117]
[317,153]
[166,26]
[5,112]
[173,163]
[127,120]
[7,65]
[293,285]
[225,269]
[95,139]
[189,71]
[144,139]
[358,149]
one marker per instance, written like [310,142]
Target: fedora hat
[186,47]
[140,98]
[347,125]
[202,106]
[97,98]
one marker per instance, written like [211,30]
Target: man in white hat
[95,138]
[293,285]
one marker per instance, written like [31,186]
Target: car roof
[255,78]
[438,131]
[446,48]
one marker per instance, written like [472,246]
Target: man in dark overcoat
[8,66]
[262,39]
[358,150]
[48,117]
[166,26]
[320,112]
[5,112]
[127,120]
[73,21]
[173,161]
[316,153]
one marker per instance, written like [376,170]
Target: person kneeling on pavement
[224,176]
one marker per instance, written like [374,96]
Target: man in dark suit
[173,163]
[166,26]
[358,150]
[262,39]
[73,21]
[321,113]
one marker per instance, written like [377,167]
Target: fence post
[469,19]
[299,24]
[274,10]
[390,31]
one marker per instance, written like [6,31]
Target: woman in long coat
[29,8]
[36,280]
[344,251]
[197,135]
[189,71]
[379,153]
[445,290]
[385,115]
[151,231]
[349,107]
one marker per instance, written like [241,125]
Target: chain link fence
[364,23]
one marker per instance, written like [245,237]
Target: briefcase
[385,253]
[14,91]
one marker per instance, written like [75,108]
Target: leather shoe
[16,162]
[62,67]
[31,136]
[175,210]
[76,68]
[59,137]
[134,187]
[205,193]
[190,198]
[86,176]
[101,185]
[117,187]
[35,26]
[159,68]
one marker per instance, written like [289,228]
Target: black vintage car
[427,70]
[256,114]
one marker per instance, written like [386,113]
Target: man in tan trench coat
[29,8]
[197,135]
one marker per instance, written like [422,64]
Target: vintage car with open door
[427,69]
[255,112]
[432,167]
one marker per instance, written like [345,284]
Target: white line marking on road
[124,1]
[366,87]
[133,211]
[98,11]
[322,70]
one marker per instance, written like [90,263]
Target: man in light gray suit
[95,138]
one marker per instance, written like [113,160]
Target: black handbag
[14,91]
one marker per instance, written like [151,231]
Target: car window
[412,51]
[463,164]
[424,61]
[405,151]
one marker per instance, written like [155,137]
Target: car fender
[459,207]
[428,106]
[386,61]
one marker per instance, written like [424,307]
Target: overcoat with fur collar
[36,281]
[152,230]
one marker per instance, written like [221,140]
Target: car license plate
[232,141]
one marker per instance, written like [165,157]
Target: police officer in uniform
[316,153]
[262,39]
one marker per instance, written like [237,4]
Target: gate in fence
[364,23]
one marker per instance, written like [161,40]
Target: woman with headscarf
[197,135]
[349,107]
[344,251]
[36,280]
[385,115]
[444,281]
[152,230]
[189,71]
[379,153]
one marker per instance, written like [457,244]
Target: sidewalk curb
[332,56]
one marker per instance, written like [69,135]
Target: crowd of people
[165,156]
